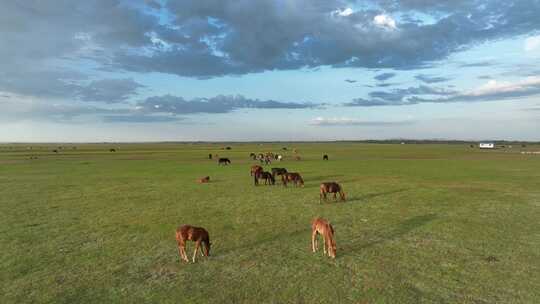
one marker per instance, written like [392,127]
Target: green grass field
[422,224]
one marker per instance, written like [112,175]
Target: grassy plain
[423,224]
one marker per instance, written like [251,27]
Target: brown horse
[331,187]
[324,228]
[196,234]
[267,176]
[255,169]
[292,177]
[204,180]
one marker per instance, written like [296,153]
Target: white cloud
[344,121]
[532,44]
[498,87]
[385,21]
[343,12]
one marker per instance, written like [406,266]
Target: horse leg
[183,252]
[324,243]
[314,240]
[180,251]
[197,243]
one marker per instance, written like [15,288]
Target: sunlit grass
[423,224]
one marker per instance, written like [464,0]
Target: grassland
[423,224]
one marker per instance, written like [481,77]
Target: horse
[224,161]
[204,180]
[325,229]
[292,177]
[325,157]
[255,169]
[210,156]
[278,171]
[252,156]
[112,150]
[266,176]
[331,187]
[279,157]
[191,233]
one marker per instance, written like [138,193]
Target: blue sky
[150,70]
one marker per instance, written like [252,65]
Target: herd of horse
[319,226]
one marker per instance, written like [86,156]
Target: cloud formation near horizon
[490,91]
[163,108]
[344,121]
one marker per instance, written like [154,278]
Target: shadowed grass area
[422,224]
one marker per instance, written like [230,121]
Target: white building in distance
[486,145]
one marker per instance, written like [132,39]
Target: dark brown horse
[278,171]
[267,176]
[325,157]
[255,169]
[331,187]
[224,161]
[292,177]
[196,234]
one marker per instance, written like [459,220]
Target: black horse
[278,171]
[268,178]
[224,161]
[325,157]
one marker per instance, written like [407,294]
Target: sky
[269,70]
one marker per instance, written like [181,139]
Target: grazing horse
[224,161]
[278,171]
[267,176]
[255,169]
[210,156]
[325,157]
[325,229]
[204,180]
[292,177]
[331,187]
[196,234]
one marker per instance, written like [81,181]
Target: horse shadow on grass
[265,240]
[398,231]
[369,196]
[325,178]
